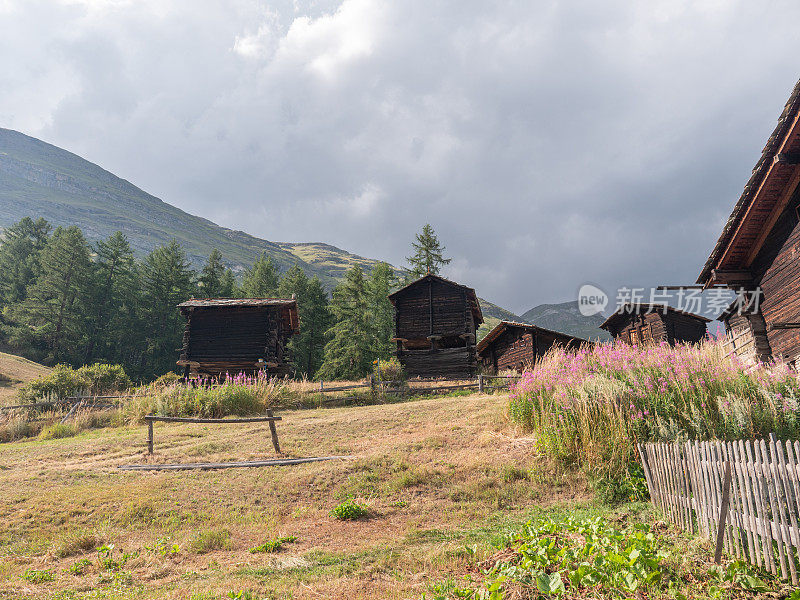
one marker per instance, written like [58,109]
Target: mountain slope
[566,318]
[41,180]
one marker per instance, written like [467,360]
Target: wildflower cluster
[591,405]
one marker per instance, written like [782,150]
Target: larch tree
[20,250]
[113,298]
[308,346]
[428,254]
[52,316]
[212,277]
[261,280]
[166,281]
[348,353]
[381,311]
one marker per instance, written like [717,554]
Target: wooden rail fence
[269,418]
[744,494]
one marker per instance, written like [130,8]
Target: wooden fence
[744,494]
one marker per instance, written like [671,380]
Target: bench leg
[274,432]
[149,437]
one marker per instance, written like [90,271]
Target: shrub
[64,381]
[206,541]
[391,370]
[349,510]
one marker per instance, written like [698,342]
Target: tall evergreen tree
[308,346]
[348,353]
[111,314]
[212,278]
[51,318]
[167,281]
[428,254]
[229,289]
[261,281]
[20,250]
[381,311]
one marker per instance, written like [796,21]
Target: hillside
[16,371]
[566,317]
[41,180]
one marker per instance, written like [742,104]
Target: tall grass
[589,407]
[235,395]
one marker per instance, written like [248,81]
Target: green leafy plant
[111,562]
[274,545]
[162,547]
[34,576]
[80,566]
[349,510]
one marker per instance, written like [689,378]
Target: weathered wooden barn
[435,324]
[243,335]
[759,249]
[655,323]
[515,346]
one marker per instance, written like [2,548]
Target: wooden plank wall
[777,270]
[685,481]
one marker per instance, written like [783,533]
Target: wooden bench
[270,418]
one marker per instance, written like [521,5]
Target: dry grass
[15,372]
[436,474]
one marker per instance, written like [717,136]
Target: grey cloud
[549,143]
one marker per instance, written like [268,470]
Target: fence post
[480,384]
[274,433]
[149,436]
[723,511]
[321,386]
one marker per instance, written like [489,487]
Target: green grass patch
[34,576]
[274,545]
[210,540]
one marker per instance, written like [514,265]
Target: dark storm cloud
[549,143]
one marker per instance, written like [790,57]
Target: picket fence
[744,494]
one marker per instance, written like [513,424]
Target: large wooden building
[516,346]
[759,249]
[654,324]
[435,324]
[232,336]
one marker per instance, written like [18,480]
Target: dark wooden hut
[655,323]
[515,346]
[435,324]
[759,248]
[243,335]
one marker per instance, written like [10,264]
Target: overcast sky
[548,143]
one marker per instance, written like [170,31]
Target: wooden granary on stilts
[241,335]
[435,324]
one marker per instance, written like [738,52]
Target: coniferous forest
[66,300]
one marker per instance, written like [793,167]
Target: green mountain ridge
[38,179]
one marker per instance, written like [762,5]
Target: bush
[349,510]
[64,381]
[206,541]
[391,370]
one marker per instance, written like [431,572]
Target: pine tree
[348,351]
[167,281]
[51,319]
[381,311]
[261,281]
[112,316]
[308,346]
[428,254]
[212,277]
[228,287]
[20,250]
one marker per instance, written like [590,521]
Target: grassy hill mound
[15,372]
